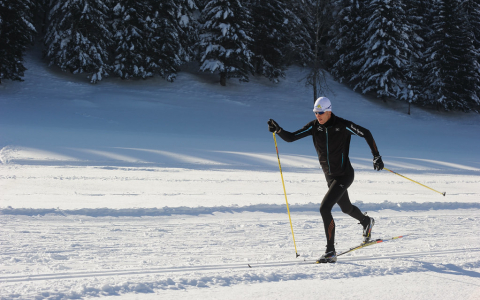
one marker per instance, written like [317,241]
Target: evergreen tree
[187,27]
[224,42]
[347,30]
[78,37]
[385,50]
[419,14]
[39,12]
[301,49]
[135,39]
[162,38]
[471,10]
[272,23]
[450,62]
[174,35]
[16,33]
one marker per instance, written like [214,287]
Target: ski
[370,243]
[307,261]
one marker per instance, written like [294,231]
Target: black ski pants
[337,194]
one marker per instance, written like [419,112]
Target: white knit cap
[322,104]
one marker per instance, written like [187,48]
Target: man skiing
[331,138]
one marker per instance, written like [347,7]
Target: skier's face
[323,118]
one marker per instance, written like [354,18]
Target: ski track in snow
[81,256]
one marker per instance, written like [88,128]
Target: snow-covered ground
[148,190]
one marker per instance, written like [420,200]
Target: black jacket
[332,142]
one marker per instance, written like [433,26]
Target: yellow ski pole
[415,182]
[285,192]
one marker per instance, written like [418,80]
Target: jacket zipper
[328,152]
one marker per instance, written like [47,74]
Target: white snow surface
[148,190]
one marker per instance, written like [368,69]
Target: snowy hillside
[149,189]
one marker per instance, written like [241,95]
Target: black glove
[273,126]
[378,163]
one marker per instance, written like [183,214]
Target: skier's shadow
[450,269]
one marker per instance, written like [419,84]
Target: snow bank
[266,208]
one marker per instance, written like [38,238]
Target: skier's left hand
[378,163]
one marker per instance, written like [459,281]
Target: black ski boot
[367,224]
[330,256]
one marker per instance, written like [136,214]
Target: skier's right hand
[378,163]
[273,126]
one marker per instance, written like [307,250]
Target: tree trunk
[223,78]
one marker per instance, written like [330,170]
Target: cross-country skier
[331,138]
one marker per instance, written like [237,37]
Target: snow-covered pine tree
[472,13]
[449,60]
[173,36]
[418,16]
[39,11]
[346,31]
[16,33]
[385,50]
[301,50]
[134,35]
[162,42]
[224,42]
[272,24]
[187,27]
[78,37]
[29,12]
